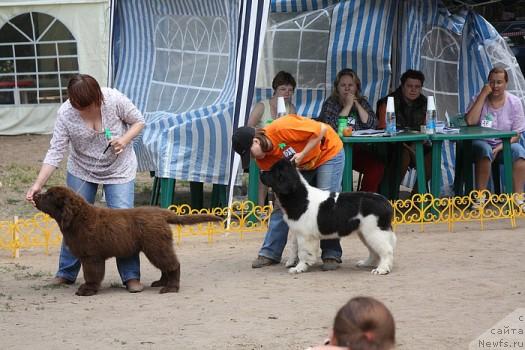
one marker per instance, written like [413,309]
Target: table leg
[167,186]
[507,165]
[420,168]
[392,178]
[253,182]
[467,166]
[348,181]
[437,146]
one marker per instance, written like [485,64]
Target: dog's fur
[313,214]
[96,234]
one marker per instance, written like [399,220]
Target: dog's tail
[191,219]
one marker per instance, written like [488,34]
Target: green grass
[16,179]
[20,177]
[31,276]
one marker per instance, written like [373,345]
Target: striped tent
[381,39]
[185,64]
[190,66]
[455,52]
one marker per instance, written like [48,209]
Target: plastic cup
[281,107]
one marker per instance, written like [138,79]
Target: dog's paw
[159,283]
[86,291]
[172,289]
[381,270]
[299,268]
[364,263]
[291,262]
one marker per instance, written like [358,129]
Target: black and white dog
[313,214]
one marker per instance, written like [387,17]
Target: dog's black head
[61,203]
[282,177]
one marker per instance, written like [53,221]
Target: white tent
[42,43]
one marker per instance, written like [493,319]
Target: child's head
[364,324]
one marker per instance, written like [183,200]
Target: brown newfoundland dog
[96,234]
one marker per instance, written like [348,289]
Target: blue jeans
[329,177]
[117,196]
[482,149]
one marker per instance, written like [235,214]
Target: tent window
[191,63]
[439,60]
[38,55]
[298,44]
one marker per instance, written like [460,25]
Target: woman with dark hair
[97,126]
[346,102]
[499,109]
[265,111]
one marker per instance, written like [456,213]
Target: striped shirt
[87,159]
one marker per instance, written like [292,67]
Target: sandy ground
[445,290]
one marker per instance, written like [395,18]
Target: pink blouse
[509,117]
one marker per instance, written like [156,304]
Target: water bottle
[342,123]
[391,128]
[431,117]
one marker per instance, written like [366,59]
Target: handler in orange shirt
[313,146]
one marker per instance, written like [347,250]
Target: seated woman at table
[497,108]
[265,111]
[346,101]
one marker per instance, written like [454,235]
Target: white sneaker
[520,203]
[478,203]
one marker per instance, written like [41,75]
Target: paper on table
[449,131]
[368,132]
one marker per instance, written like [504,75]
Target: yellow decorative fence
[243,217]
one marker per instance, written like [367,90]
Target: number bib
[486,123]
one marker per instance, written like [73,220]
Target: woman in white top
[97,126]
[265,111]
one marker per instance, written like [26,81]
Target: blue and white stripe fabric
[300,5]
[474,63]
[359,39]
[470,36]
[253,15]
[379,39]
[189,114]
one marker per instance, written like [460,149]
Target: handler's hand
[118,144]
[349,100]
[496,150]
[486,90]
[35,189]
[297,158]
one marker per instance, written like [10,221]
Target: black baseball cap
[242,139]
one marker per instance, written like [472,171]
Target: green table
[466,135]
[391,191]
